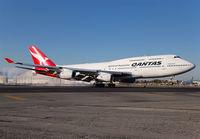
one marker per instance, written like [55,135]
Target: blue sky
[79,31]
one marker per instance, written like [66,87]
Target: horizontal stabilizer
[9,61]
[31,69]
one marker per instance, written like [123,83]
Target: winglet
[9,61]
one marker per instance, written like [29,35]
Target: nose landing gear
[111,85]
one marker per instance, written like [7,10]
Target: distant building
[2,79]
[191,82]
[197,82]
[30,78]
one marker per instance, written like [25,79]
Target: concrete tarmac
[99,113]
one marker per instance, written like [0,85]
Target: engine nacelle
[67,74]
[104,77]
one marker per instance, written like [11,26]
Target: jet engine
[67,74]
[104,77]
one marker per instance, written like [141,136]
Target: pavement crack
[5,121]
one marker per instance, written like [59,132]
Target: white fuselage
[143,67]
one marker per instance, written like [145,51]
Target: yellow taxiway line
[14,97]
[151,94]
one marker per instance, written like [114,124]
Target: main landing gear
[110,85]
[99,85]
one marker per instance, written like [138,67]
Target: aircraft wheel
[111,85]
[99,85]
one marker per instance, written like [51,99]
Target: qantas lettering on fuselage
[151,63]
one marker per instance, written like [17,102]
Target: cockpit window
[177,57]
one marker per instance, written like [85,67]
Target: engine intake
[67,74]
[104,77]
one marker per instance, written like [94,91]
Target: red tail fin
[39,58]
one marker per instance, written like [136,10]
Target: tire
[99,85]
[111,85]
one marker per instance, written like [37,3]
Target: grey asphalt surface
[99,113]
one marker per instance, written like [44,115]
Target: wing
[82,74]
[46,68]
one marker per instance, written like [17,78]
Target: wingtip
[9,61]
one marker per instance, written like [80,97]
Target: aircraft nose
[193,66]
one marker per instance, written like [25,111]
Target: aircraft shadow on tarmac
[26,89]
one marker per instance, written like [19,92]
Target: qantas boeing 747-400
[123,70]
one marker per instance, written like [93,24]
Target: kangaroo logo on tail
[39,58]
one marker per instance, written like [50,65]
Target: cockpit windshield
[177,57]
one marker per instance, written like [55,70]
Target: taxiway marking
[158,95]
[14,97]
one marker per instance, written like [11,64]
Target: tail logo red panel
[42,60]
[39,58]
